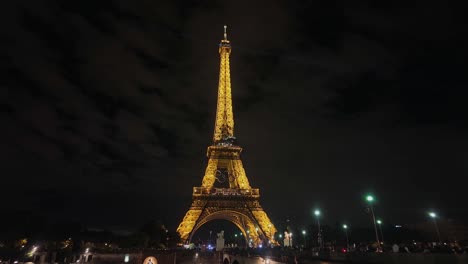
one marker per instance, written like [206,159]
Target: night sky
[107,107]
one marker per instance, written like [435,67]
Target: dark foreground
[230,257]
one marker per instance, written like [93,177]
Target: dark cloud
[108,107]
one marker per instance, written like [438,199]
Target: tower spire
[224,123]
[225,32]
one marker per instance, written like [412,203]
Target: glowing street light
[345,227]
[379,222]
[304,234]
[433,215]
[370,199]
[319,233]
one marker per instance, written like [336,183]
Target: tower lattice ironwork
[239,203]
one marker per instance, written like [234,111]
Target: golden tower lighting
[238,202]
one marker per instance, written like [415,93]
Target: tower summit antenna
[225,32]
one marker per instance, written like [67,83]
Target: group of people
[411,247]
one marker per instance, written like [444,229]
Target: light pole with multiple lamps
[433,215]
[319,233]
[345,227]
[370,200]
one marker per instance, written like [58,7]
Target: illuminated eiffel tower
[239,203]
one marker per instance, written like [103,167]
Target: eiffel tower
[239,203]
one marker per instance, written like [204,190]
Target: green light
[240,234]
[280,236]
[303,232]
[432,214]
[345,226]
[370,198]
[379,222]
[317,212]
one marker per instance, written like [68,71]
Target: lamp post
[319,233]
[345,227]
[370,199]
[433,215]
[304,234]
[379,222]
[290,239]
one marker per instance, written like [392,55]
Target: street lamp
[434,216]
[290,239]
[345,227]
[319,233]
[304,234]
[370,199]
[379,222]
